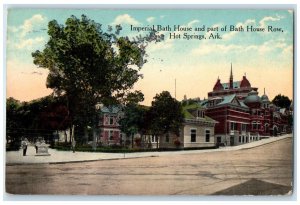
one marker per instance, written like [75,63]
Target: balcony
[234,132]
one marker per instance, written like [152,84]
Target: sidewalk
[16,157]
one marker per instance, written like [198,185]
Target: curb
[80,161]
[135,157]
[266,143]
[94,160]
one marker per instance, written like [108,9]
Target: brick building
[109,126]
[243,116]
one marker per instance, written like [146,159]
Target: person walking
[24,144]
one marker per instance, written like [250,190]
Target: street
[263,170]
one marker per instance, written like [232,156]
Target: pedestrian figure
[73,145]
[37,144]
[24,144]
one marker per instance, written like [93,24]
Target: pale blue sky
[195,63]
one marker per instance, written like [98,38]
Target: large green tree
[89,66]
[281,101]
[132,121]
[166,114]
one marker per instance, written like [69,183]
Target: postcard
[149,102]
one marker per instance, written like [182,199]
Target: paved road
[263,170]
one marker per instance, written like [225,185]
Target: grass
[123,149]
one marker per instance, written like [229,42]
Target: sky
[266,58]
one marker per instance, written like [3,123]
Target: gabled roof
[187,112]
[203,103]
[243,104]
[227,99]
[111,109]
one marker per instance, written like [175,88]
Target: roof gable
[227,99]
[235,101]
[111,109]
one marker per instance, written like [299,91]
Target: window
[153,138]
[244,127]
[111,135]
[111,120]
[207,135]
[193,135]
[121,138]
[240,138]
[254,126]
[233,126]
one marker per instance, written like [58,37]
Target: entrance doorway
[231,141]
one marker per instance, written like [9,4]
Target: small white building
[197,130]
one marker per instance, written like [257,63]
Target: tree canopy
[281,101]
[166,114]
[91,66]
[37,118]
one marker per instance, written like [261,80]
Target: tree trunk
[131,140]
[66,136]
[94,139]
[70,140]
[86,134]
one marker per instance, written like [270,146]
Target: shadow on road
[256,187]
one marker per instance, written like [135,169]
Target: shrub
[177,143]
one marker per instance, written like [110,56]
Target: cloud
[125,19]
[291,11]
[29,43]
[18,36]
[269,46]
[150,19]
[262,23]
[191,23]
[29,24]
[12,29]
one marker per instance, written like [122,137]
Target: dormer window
[200,114]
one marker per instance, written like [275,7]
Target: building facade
[197,131]
[243,116]
[240,88]
[110,133]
